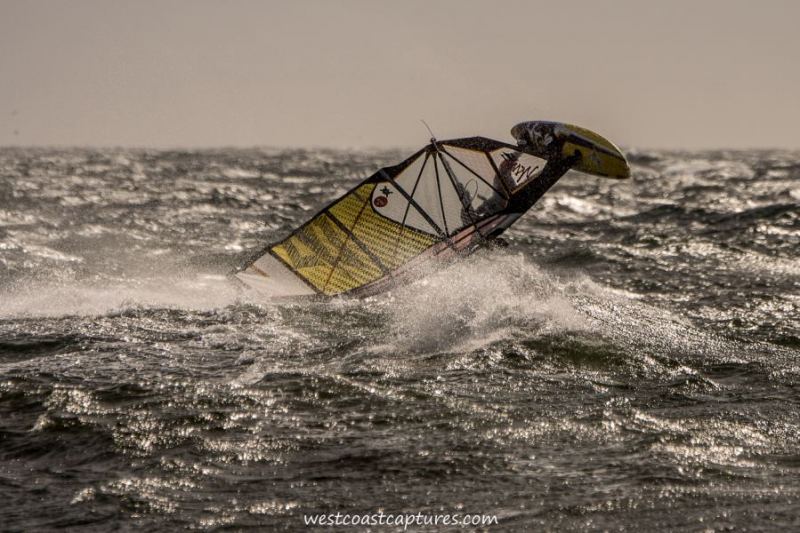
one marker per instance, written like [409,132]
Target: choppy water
[630,361]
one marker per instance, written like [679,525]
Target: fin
[599,156]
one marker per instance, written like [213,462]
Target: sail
[436,203]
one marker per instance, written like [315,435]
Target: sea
[629,362]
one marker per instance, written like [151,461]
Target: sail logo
[518,172]
[382,201]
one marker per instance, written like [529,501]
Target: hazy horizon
[352,74]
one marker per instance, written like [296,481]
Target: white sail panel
[417,181]
[389,201]
[483,188]
[271,277]
[458,200]
[517,169]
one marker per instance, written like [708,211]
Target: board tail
[598,155]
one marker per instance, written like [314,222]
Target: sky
[355,74]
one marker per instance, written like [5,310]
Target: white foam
[479,300]
[63,298]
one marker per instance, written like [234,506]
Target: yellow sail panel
[304,260]
[354,268]
[348,209]
[320,253]
[389,241]
[385,239]
[325,255]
